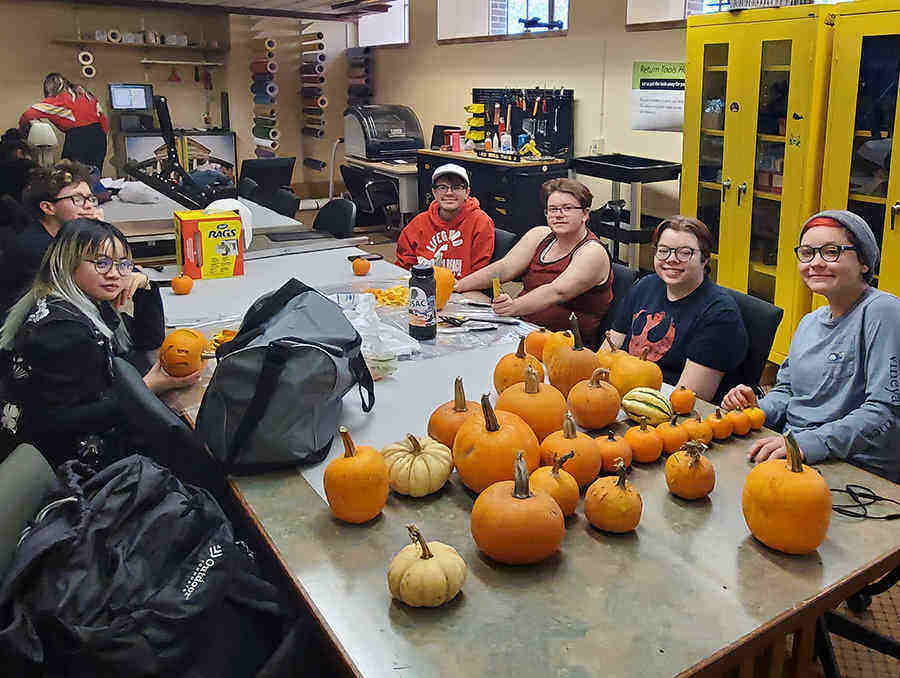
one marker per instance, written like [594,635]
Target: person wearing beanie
[838,391]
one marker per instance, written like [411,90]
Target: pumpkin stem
[559,461]
[416,447]
[569,429]
[576,332]
[459,396]
[795,456]
[520,351]
[718,413]
[349,447]
[643,423]
[674,420]
[694,449]
[531,382]
[490,418]
[621,472]
[417,537]
[521,490]
[607,341]
[611,436]
[599,375]
[645,353]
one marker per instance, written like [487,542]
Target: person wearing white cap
[454,229]
[838,391]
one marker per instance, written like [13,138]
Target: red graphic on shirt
[661,340]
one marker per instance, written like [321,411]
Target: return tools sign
[657,96]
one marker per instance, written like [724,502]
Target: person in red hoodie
[454,228]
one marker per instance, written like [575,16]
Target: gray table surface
[688,583]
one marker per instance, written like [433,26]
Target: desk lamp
[43,139]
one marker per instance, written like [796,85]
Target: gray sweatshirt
[839,388]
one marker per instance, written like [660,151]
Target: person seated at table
[564,267]
[454,229]
[838,391]
[53,196]
[60,337]
[686,323]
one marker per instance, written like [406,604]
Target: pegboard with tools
[546,115]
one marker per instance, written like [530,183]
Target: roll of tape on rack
[85,58]
[88,71]
[114,35]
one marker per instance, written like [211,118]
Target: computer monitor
[270,174]
[131,98]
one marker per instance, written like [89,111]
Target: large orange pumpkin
[586,463]
[513,526]
[534,342]
[510,368]
[447,418]
[629,371]
[181,352]
[614,447]
[787,505]
[612,503]
[541,406]
[689,474]
[356,484]
[646,445]
[594,402]
[567,365]
[555,341]
[485,447]
[558,483]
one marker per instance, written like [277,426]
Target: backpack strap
[364,380]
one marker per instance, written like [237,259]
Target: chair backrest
[25,480]
[761,319]
[503,243]
[355,180]
[623,279]
[337,217]
[367,190]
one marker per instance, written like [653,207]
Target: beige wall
[594,59]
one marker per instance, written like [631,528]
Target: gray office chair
[370,193]
[503,243]
[337,218]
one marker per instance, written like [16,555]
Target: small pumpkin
[426,574]
[649,403]
[689,474]
[629,372]
[444,282]
[787,504]
[614,447]
[586,463]
[682,399]
[697,429]
[534,342]
[512,525]
[510,368]
[607,354]
[555,341]
[361,266]
[568,365]
[182,284]
[181,352]
[485,447]
[722,427]
[558,483]
[740,422]
[446,419]
[594,402]
[541,406]
[612,503]
[757,417]
[357,483]
[417,466]
[645,443]
[672,434]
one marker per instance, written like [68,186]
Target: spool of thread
[311,37]
[314,132]
[114,35]
[359,91]
[264,152]
[266,143]
[367,81]
[314,57]
[311,92]
[85,58]
[263,66]
[262,100]
[315,164]
[266,44]
[262,77]
[313,47]
[314,120]
[268,88]
[321,102]
[88,71]
[313,110]
[265,132]
[270,55]
[265,121]
[359,72]
[265,111]
[353,52]
[312,79]
[312,69]
[357,62]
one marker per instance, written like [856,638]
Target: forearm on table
[774,404]
[481,279]
[702,380]
[867,427]
[539,299]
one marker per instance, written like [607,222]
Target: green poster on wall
[657,96]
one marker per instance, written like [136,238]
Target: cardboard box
[209,245]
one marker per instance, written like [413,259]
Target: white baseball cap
[450,168]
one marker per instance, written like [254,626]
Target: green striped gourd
[647,402]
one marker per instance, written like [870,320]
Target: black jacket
[60,374]
[20,263]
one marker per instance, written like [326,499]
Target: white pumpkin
[418,466]
[426,574]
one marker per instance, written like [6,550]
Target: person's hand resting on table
[504,305]
[159,381]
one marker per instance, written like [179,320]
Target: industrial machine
[382,132]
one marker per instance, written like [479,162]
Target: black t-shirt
[21,262]
[705,327]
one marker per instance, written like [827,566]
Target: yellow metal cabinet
[753,143]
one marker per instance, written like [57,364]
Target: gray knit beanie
[868,251]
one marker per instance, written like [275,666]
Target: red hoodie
[465,244]
[67,112]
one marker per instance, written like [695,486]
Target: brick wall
[498,17]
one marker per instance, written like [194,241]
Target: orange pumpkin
[697,429]
[534,342]
[787,505]
[541,406]
[485,447]
[607,354]
[689,474]
[181,352]
[613,504]
[356,484]
[645,443]
[740,422]
[614,447]
[361,266]
[586,463]
[628,372]
[512,525]
[444,282]
[558,483]
[672,435]
[555,341]
[447,418]
[682,399]
[568,365]
[594,402]
[511,368]
[757,417]
[722,427]
[182,284]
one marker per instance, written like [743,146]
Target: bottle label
[421,308]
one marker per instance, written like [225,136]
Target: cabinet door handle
[741,190]
[726,184]
[895,209]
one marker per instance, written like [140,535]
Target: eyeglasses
[828,252]
[682,254]
[444,188]
[80,200]
[104,265]
[565,210]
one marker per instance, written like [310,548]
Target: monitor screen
[128,97]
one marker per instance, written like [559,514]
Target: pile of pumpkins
[528,462]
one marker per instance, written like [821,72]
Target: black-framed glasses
[80,201]
[444,188]
[104,265]
[564,209]
[682,254]
[829,252]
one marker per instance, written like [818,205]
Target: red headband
[820,221]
